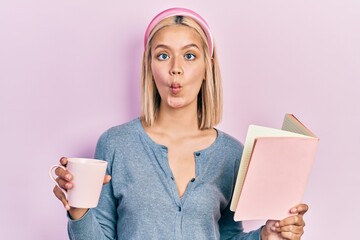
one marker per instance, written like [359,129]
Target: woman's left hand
[291,228]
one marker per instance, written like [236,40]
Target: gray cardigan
[141,201]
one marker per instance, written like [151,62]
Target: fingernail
[68,177]
[67,207]
[68,185]
[62,161]
[293,210]
[277,224]
[273,228]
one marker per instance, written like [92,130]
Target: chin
[176,103]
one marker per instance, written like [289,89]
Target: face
[178,65]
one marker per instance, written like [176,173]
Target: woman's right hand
[64,180]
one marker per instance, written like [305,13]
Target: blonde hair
[210,94]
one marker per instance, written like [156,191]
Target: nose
[176,68]
[175,72]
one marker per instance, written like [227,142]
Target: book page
[254,132]
[292,124]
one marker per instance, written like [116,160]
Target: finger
[290,235]
[64,174]
[270,225]
[64,184]
[107,179]
[291,228]
[63,161]
[300,209]
[61,196]
[292,220]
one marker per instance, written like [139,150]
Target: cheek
[157,72]
[197,72]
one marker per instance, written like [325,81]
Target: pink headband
[181,12]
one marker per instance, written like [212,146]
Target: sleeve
[229,229]
[98,223]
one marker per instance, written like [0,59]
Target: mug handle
[52,176]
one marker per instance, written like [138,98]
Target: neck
[177,121]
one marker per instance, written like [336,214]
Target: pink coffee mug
[88,177]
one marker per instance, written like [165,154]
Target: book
[274,170]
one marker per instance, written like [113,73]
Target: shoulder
[120,133]
[124,129]
[230,143]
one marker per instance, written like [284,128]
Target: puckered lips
[175,88]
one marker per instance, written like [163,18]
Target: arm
[229,229]
[290,228]
[100,222]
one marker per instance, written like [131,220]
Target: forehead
[177,35]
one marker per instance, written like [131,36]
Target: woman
[172,172]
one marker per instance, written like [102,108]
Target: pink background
[69,70]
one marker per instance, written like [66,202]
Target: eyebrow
[185,47]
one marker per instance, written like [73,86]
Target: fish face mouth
[175,88]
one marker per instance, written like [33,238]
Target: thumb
[107,179]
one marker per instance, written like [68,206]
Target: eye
[162,56]
[190,56]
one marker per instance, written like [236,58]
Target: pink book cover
[276,178]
